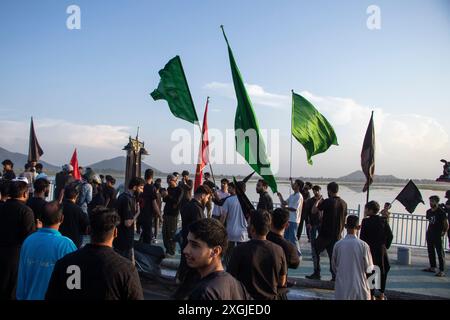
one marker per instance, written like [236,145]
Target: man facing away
[351,262]
[128,210]
[38,202]
[16,225]
[333,221]
[236,224]
[75,221]
[186,185]
[314,219]
[294,205]
[39,253]
[280,222]
[375,231]
[265,200]
[437,228]
[96,271]
[260,264]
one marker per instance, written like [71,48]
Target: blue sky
[88,88]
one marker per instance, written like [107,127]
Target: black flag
[246,204]
[410,197]
[34,150]
[368,154]
[249,177]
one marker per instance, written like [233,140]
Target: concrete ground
[404,282]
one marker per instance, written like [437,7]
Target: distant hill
[358,176]
[20,159]
[117,165]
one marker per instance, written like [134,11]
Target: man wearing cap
[351,262]
[17,224]
[8,172]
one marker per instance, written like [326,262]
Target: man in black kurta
[375,231]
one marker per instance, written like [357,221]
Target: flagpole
[290,157]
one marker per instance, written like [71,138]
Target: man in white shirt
[351,262]
[234,219]
[219,195]
[294,205]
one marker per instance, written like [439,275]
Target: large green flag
[310,127]
[173,88]
[249,142]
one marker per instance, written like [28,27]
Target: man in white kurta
[351,260]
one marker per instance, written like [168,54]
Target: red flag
[74,164]
[203,152]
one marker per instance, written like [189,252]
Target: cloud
[58,138]
[257,94]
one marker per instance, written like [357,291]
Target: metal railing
[409,230]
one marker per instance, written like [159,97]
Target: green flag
[249,142]
[310,127]
[173,88]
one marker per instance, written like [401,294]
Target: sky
[89,88]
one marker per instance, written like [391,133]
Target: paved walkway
[409,280]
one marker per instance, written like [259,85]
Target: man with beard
[128,210]
[265,200]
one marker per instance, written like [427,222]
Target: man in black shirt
[260,264]
[109,192]
[280,221]
[8,172]
[333,221]
[149,208]
[193,211]
[305,191]
[172,197]
[313,220]
[437,228]
[17,224]
[37,202]
[96,272]
[186,185]
[207,240]
[128,210]
[447,207]
[75,222]
[4,191]
[265,200]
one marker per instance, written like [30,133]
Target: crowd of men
[227,251]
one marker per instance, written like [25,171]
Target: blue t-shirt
[38,256]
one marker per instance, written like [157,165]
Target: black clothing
[190,213]
[377,233]
[187,192]
[312,218]
[104,275]
[292,258]
[173,201]
[17,223]
[333,220]
[37,205]
[265,202]
[74,224]
[219,286]
[259,265]
[9,175]
[110,196]
[436,226]
[127,209]
[147,212]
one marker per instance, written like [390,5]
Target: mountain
[117,165]
[358,176]
[20,159]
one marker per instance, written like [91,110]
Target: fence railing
[408,229]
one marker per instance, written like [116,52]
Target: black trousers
[147,231]
[321,245]
[435,245]
[9,267]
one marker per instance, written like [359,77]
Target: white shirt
[351,260]
[295,201]
[235,220]
[217,211]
